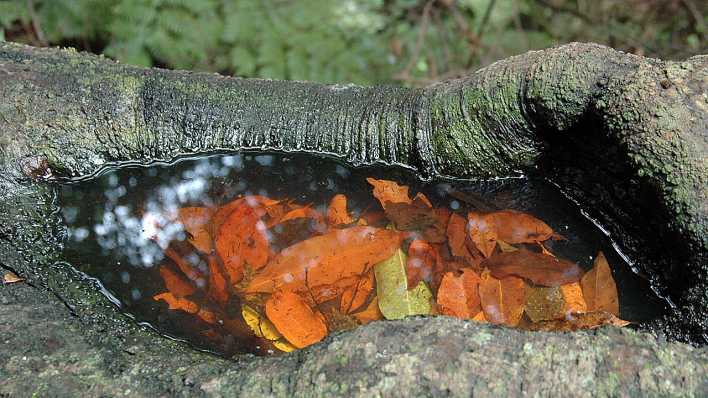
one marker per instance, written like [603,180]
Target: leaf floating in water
[337,213]
[458,295]
[295,320]
[599,288]
[502,299]
[396,301]
[326,259]
[537,268]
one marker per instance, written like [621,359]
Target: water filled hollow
[249,253]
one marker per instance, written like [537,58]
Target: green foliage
[361,41]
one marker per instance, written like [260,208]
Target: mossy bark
[625,136]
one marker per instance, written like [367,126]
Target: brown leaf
[436,233]
[482,232]
[458,295]
[323,260]
[537,268]
[10,277]
[175,282]
[295,320]
[337,213]
[549,303]
[356,295]
[502,299]
[460,242]
[389,192]
[178,254]
[599,288]
[411,216]
[589,320]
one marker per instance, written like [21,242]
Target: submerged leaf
[242,240]
[175,282]
[518,227]
[395,300]
[389,192]
[356,295]
[371,313]
[536,267]
[423,264]
[196,222]
[337,213]
[599,288]
[177,303]
[262,327]
[295,320]
[502,299]
[458,295]
[589,320]
[482,232]
[218,285]
[324,260]
[549,303]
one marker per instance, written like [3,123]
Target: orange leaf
[175,282]
[517,227]
[337,213]
[356,295]
[177,253]
[242,239]
[457,239]
[389,192]
[573,297]
[423,264]
[458,295]
[482,232]
[599,288]
[177,303]
[218,285]
[371,313]
[502,299]
[537,268]
[196,222]
[295,320]
[323,260]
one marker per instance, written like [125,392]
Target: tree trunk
[625,136]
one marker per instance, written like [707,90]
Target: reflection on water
[126,229]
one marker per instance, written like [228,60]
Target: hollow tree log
[626,136]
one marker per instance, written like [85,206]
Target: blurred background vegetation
[413,42]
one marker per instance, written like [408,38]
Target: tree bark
[623,135]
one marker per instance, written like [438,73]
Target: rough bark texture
[66,356]
[625,136]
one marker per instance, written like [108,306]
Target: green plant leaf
[395,300]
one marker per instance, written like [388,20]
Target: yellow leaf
[599,288]
[261,326]
[284,346]
[395,300]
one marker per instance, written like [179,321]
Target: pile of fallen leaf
[289,275]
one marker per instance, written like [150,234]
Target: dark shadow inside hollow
[594,170]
